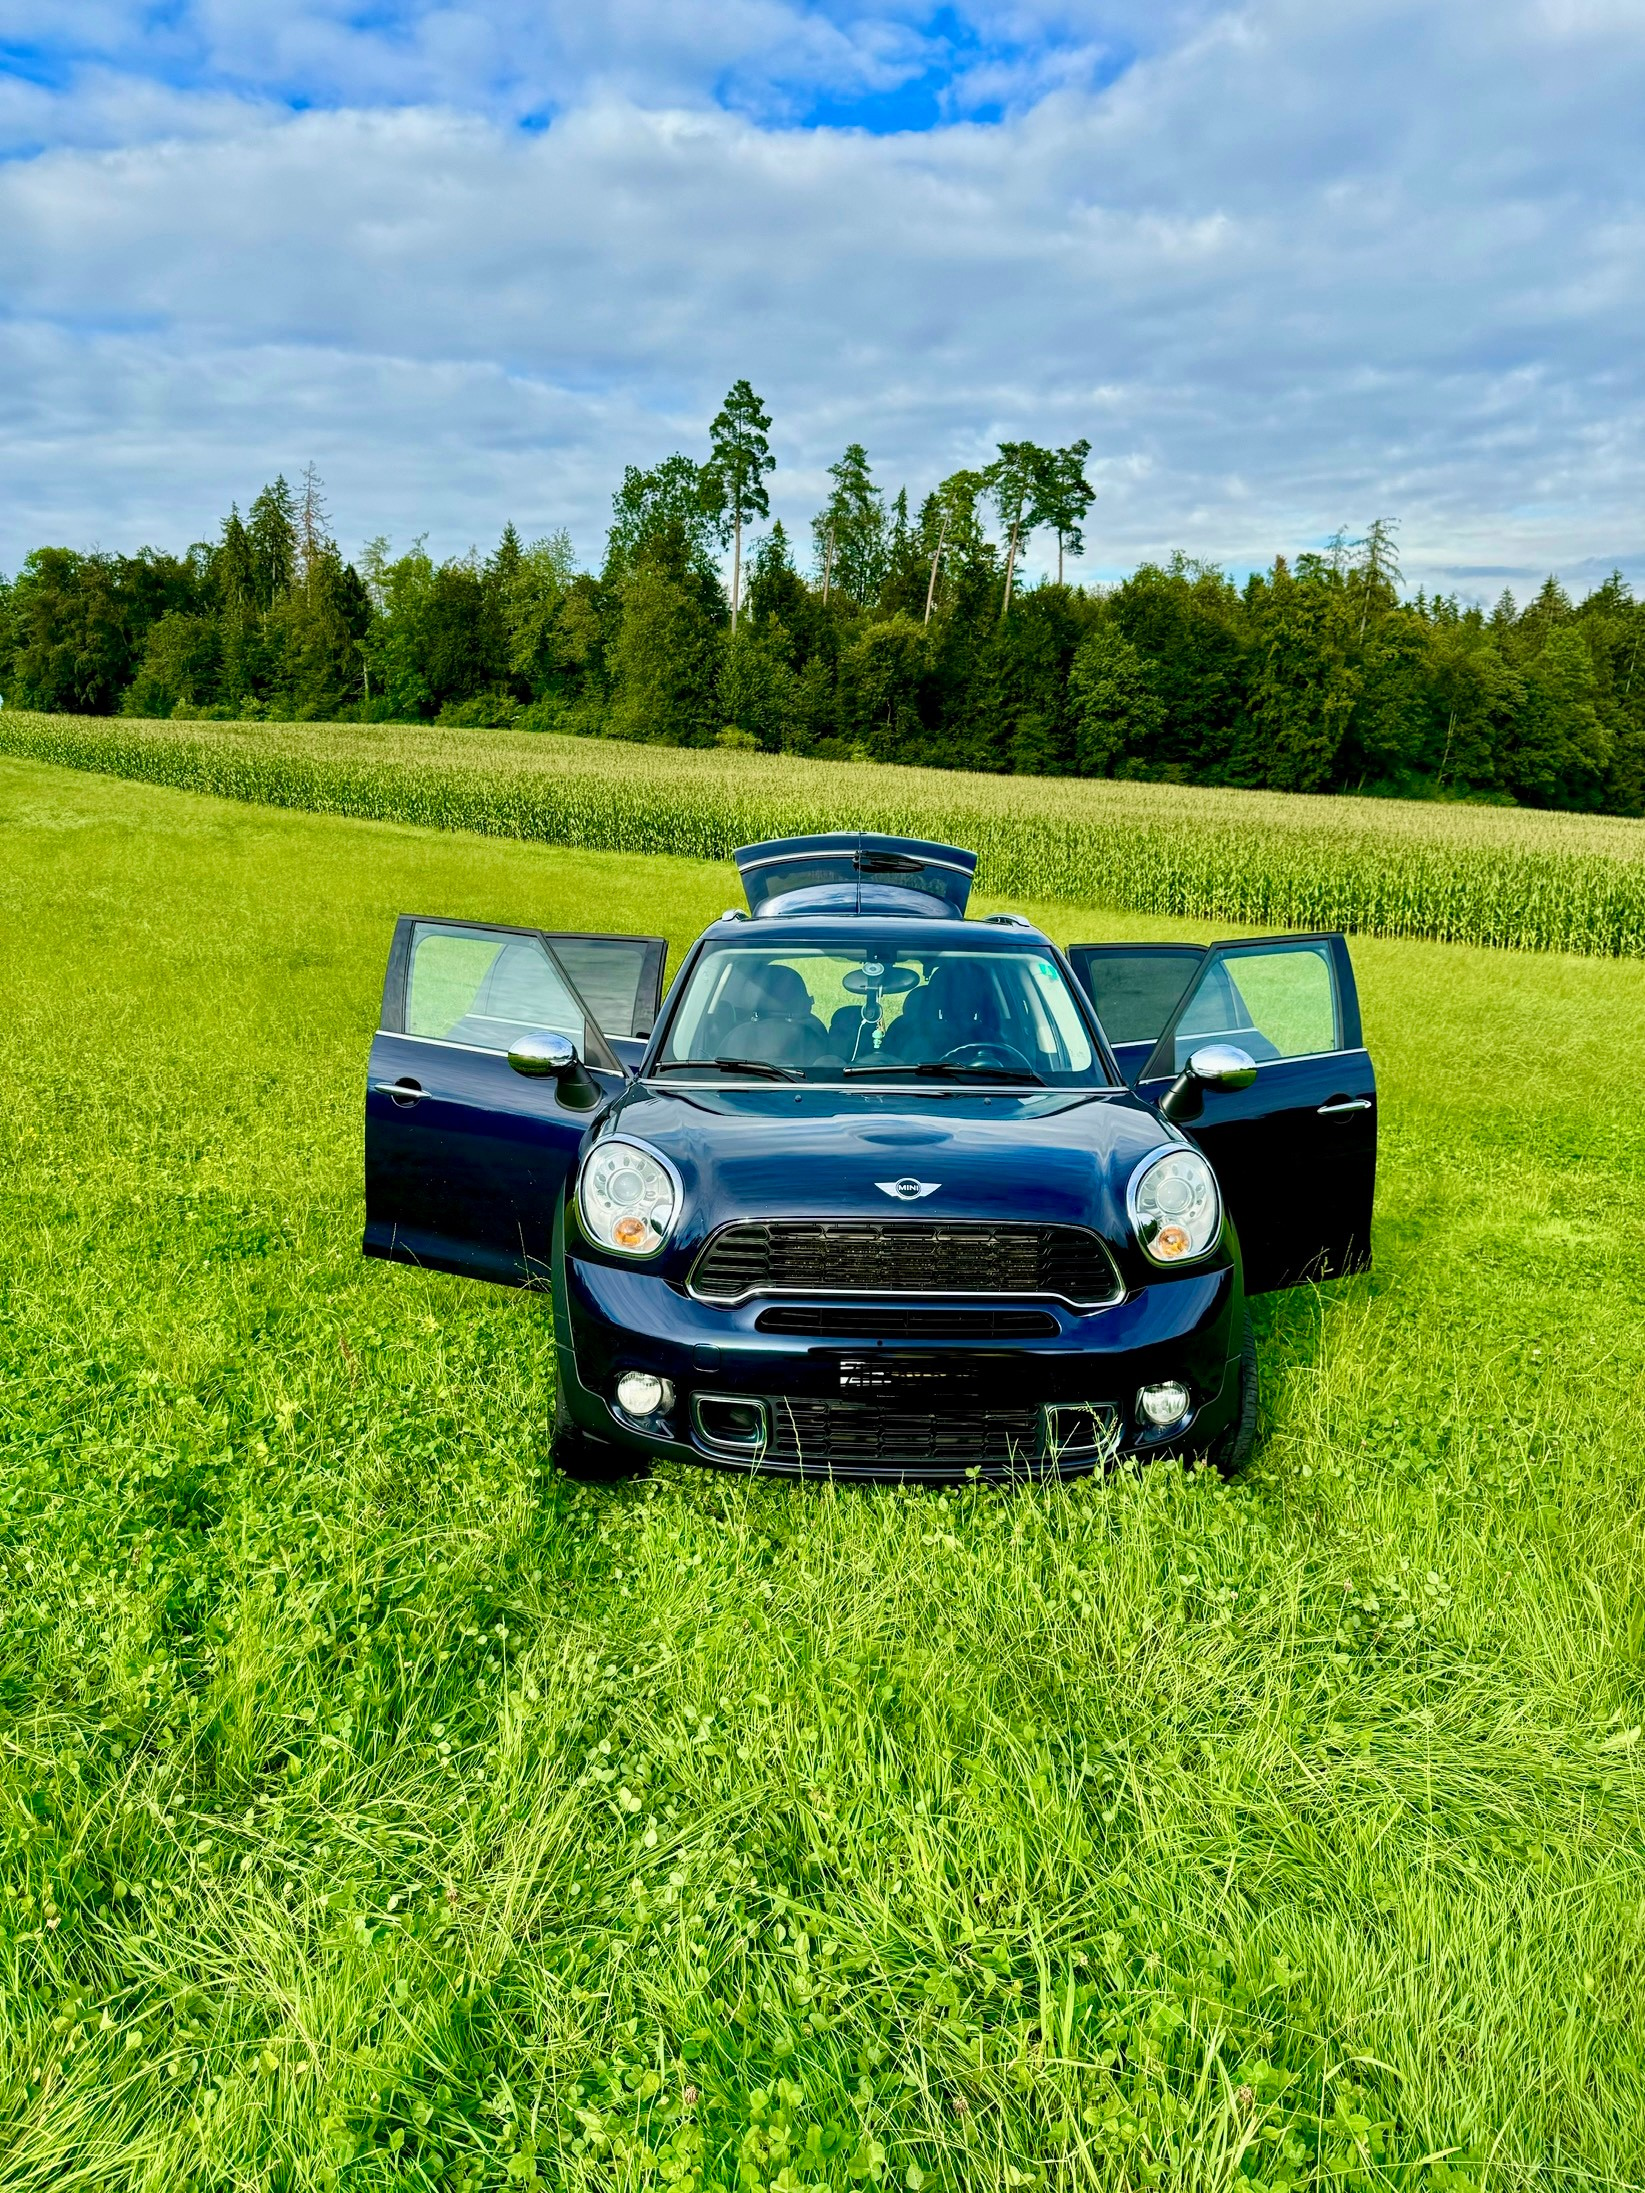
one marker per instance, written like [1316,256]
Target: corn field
[1528,880]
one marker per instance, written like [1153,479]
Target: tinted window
[616,977]
[473,986]
[1275,1001]
[1134,991]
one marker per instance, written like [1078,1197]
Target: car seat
[772,1018]
[846,1033]
[957,1005]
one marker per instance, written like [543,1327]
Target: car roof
[911,932]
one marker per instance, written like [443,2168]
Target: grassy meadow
[1469,874]
[379,1810]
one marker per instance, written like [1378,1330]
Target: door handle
[1344,1104]
[403,1092]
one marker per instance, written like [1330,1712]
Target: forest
[902,631]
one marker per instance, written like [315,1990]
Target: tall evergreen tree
[739,458]
[849,531]
[1379,575]
[1065,496]
[271,537]
[234,582]
[779,597]
[312,526]
[1305,678]
[1019,481]
[950,530]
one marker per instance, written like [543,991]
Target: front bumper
[902,1408]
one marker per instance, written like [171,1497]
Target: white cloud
[1292,269]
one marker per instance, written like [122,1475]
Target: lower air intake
[849,1438]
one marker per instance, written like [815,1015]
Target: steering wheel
[1004,1055]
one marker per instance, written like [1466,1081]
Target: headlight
[1175,1207]
[626,1198]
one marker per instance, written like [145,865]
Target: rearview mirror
[543,1054]
[1212,1066]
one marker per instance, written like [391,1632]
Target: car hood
[1050,1155]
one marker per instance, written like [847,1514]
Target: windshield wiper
[937,1069]
[734,1066]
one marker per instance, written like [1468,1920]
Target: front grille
[907,1256]
[840,1322]
[846,1437]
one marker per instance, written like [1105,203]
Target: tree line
[910,636]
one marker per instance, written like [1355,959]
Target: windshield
[880,1007]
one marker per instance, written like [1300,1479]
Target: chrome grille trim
[906,1321]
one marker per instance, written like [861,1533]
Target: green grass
[378,1809]
[1542,882]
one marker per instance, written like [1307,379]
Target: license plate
[905,1375]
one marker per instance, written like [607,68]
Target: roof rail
[1008,921]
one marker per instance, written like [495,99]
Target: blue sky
[1287,268]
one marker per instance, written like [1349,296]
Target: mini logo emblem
[908,1189]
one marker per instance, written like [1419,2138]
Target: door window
[618,978]
[1134,987]
[476,987]
[1273,1000]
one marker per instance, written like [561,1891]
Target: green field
[1476,875]
[378,1809]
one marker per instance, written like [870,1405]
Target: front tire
[1233,1448]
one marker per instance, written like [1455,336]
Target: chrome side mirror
[545,1054]
[1212,1066]
[1223,1066]
[541,1052]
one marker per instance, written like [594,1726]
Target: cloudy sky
[1287,266]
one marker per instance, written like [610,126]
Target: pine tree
[507,557]
[739,458]
[1380,573]
[849,531]
[1020,481]
[314,542]
[234,581]
[950,531]
[271,535]
[1065,496]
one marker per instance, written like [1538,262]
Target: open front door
[465,1158]
[1134,987]
[1296,1152]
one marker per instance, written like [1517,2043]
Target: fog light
[1162,1405]
[641,1393]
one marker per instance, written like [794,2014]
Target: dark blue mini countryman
[877,1191]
